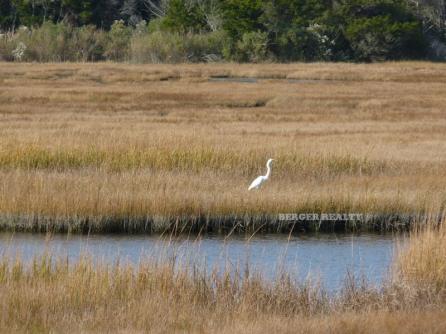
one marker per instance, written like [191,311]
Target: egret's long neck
[268,172]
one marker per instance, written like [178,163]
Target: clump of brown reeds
[422,260]
[51,294]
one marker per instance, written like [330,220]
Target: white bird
[262,178]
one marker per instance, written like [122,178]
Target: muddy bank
[207,224]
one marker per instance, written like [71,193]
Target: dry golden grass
[114,142]
[423,261]
[52,295]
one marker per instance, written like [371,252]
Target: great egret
[262,178]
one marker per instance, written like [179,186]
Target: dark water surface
[327,257]
[257,80]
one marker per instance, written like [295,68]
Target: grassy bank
[50,294]
[115,147]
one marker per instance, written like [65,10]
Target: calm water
[326,256]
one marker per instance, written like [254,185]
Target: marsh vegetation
[51,293]
[109,147]
[130,148]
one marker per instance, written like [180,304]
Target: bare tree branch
[157,8]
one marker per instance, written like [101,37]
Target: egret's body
[262,178]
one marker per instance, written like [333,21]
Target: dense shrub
[377,30]
[184,16]
[31,13]
[173,47]
[241,17]
[252,47]
[378,38]
[89,43]
[305,43]
[7,45]
[53,42]
[293,32]
[118,42]
[50,42]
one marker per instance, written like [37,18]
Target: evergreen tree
[8,15]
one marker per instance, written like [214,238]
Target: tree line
[236,30]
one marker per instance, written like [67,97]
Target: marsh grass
[145,148]
[186,159]
[423,261]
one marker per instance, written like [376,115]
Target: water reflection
[325,256]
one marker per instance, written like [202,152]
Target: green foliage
[184,17]
[31,13]
[156,25]
[377,30]
[303,44]
[173,47]
[54,42]
[251,30]
[379,38]
[118,42]
[281,15]
[293,32]
[7,46]
[78,12]
[241,17]
[90,43]
[50,42]
[28,13]
[6,15]
[252,47]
